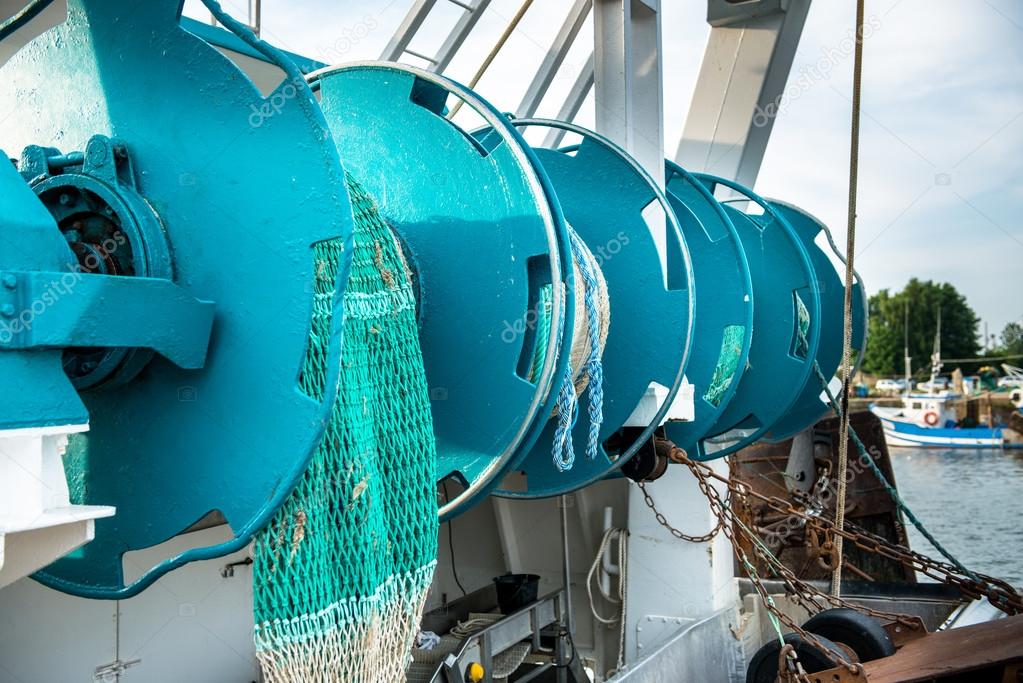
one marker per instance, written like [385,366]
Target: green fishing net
[727,365]
[341,572]
[802,344]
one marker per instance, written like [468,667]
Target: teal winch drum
[724,306]
[560,296]
[196,238]
[484,235]
[786,322]
[604,194]
[813,404]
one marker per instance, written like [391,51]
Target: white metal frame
[400,43]
[745,68]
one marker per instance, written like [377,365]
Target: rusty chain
[663,521]
[1001,594]
[807,596]
[723,511]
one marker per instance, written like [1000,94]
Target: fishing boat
[929,420]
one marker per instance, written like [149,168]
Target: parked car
[892,386]
[1010,382]
[937,384]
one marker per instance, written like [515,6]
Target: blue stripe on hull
[912,443]
[908,434]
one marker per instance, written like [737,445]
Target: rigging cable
[23,17]
[514,24]
[854,161]
[451,544]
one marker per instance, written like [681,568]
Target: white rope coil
[585,368]
[598,574]
[582,342]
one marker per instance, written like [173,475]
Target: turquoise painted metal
[483,231]
[724,307]
[37,248]
[132,126]
[603,192]
[112,233]
[192,188]
[809,407]
[781,357]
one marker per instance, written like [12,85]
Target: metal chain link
[1001,594]
[807,596]
[723,511]
[663,521]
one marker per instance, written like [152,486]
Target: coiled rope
[585,371]
[597,574]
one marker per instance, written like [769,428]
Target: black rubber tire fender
[861,633]
[763,668]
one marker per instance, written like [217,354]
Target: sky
[941,149]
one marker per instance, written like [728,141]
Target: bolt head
[10,282]
[96,152]
[8,310]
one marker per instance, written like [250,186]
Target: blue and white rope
[592,371]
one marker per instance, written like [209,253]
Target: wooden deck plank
[957,650]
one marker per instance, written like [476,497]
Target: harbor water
[971,501]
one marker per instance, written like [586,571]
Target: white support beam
[573,103]
[555,58]
[672,582]
[400,42]
[627,78]
[743,76]
[407,30]
[458,35]
[38,523]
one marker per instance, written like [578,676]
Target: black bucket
[515,591]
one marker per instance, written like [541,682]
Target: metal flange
[812,404]
[172,445]
[604,193]
[782,355]
[483,232]
[724,306]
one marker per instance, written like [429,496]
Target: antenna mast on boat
[936,356]
[905,348]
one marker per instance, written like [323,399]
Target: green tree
[919,301]
[1012,340]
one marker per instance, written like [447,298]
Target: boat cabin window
[917,405]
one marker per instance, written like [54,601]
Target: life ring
[931,418]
